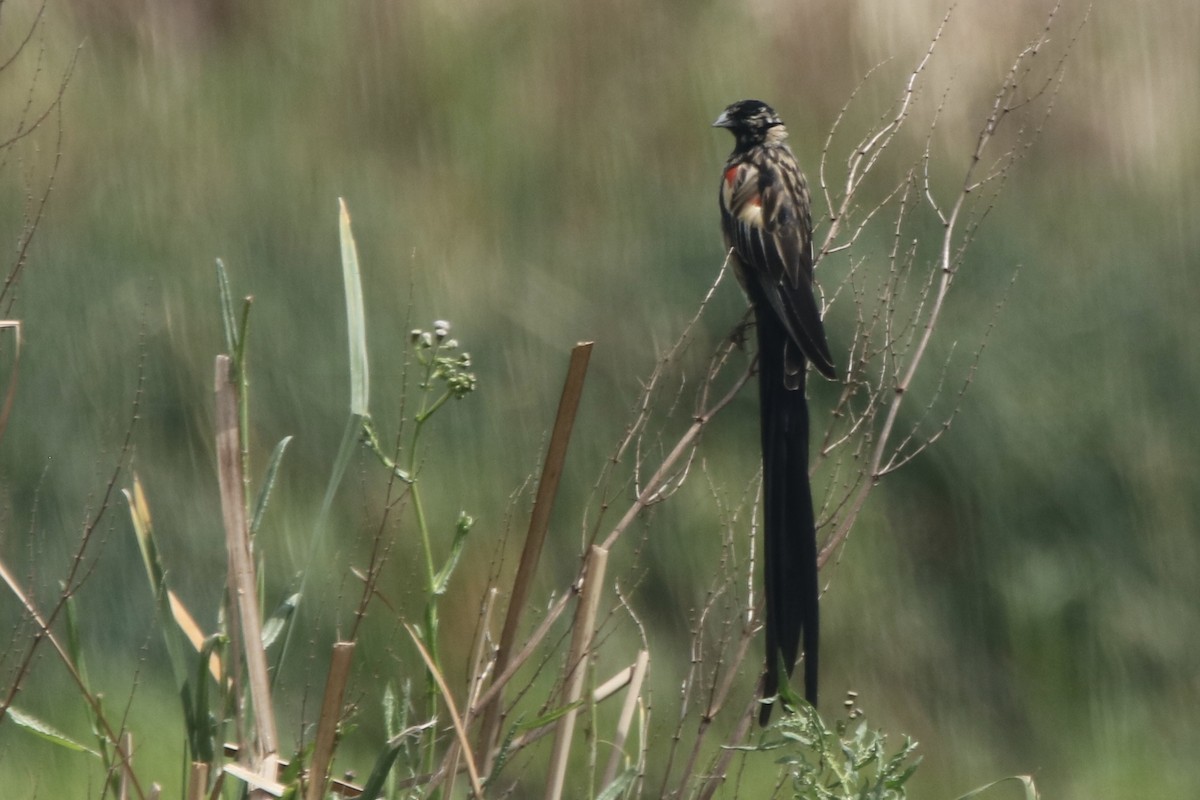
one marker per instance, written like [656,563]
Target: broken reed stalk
[327,725]
[244,583]
[609,689]
[126,767]
[531,645]
[10,393]
[197,780]
[257,784]
[539,523]
[581,642]
[632,697]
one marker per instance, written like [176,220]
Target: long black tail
[790,553]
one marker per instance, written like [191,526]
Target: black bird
[767,221]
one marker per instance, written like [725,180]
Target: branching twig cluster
[36,112]
[897,302]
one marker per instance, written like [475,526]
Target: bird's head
[751,122]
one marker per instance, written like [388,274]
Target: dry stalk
[581,641]
[327,723]
[539,523]
[636,675]
[244,584]
[197,780]
[451,709]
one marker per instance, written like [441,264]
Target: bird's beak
[723,121]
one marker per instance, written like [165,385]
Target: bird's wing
[769,226]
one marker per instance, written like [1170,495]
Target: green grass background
[1021,599]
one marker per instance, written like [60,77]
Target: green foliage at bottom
[849,761]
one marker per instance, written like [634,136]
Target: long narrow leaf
[204,726]
[46,731]
[143,527]
[74,648]
[383,768]
[228,319]
[619,786]
[356,325]
[264,494]
[276,622]
[360,392]
[523,726]
[375,785]
[1026,781]
[350,439]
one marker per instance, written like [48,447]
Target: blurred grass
[1022,598]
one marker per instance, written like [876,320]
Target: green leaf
[544,720]
[228,319]
[461,529]
[275,623]
[619,786]
[143,528]
[74,649]
[296,767]
[45,731]
[383,767]
[787,695]
[202,725]
[354,427]
[1031,792]
[390,712]
[264,494]
[356,326]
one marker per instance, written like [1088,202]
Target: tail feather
[790,553]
